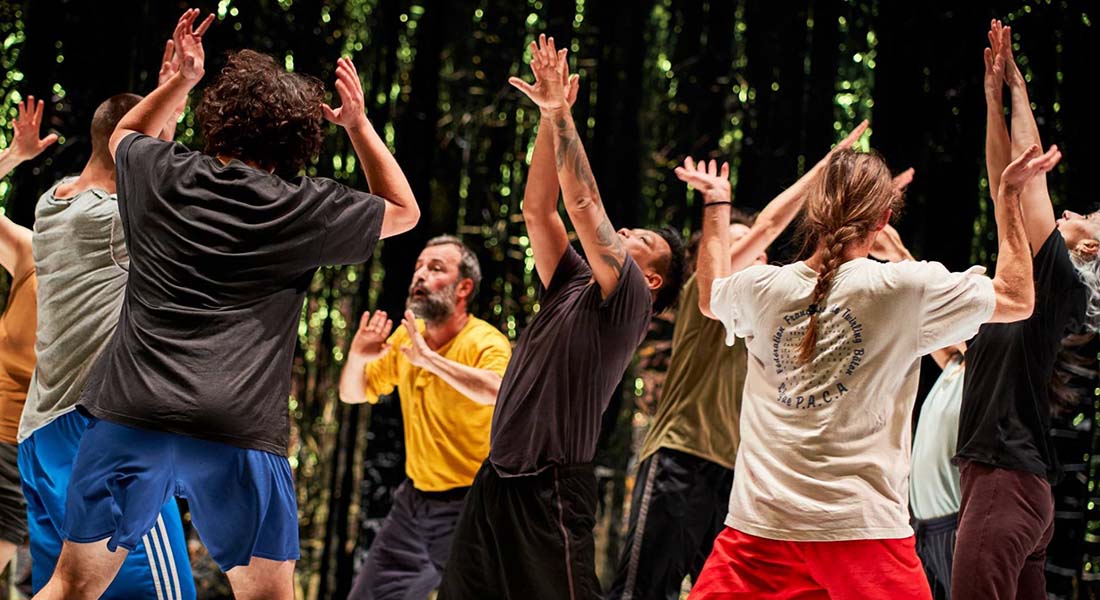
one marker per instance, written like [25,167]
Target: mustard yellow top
[446,433]
[17,325]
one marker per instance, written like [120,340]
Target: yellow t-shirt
[446,433]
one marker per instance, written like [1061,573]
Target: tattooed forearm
[570,157]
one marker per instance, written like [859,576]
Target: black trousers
[526,538]
[406,560]
[936,548]
[677,509]
[13,507]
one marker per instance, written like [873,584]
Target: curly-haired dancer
[190,397]
[820,503]
[526,529]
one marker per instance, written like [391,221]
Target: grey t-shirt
[565,367]
[221,258]
[81,262]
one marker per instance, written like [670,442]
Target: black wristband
[706,204]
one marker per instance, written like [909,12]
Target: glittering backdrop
[768,85]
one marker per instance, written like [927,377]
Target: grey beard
[436,307]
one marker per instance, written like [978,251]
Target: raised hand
[417,351]
[169,66]
[351,113]
[706,177]
[1028,165]
[889,247]
[903,179]
[553,86]
[25,143]
[370,339]
[1000,41]
[994,64]
[187,45]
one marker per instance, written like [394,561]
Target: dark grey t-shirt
[565,367]
[220,260]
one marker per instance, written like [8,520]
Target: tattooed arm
[552,92]
[601,244]
[545,228]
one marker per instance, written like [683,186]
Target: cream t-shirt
[824,452]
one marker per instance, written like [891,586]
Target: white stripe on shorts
[171,556]
[153,570]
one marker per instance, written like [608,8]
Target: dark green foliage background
[767,85]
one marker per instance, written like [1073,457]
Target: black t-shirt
[1005,415]
[221,257]
[565,368]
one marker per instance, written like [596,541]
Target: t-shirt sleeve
[569,267]
[352,220]
[952,305]
[729,304]
[631,301]
[381,375]
[1060,295]
[139,161]
[494,352]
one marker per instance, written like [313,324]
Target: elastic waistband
[936,525]
[545,472]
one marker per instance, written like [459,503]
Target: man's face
[1081,232]
[648,250]
[738,231]
[433,292]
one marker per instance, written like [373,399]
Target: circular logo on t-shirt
[837,356]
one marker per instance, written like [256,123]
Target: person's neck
[850,252]
[440,334]
[95,176]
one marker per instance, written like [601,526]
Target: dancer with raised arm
[17,323]
[687,461]
[526,529]
[446,366]
[1006,458]
[190,397]
[820,501]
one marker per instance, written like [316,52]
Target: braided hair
[846,202]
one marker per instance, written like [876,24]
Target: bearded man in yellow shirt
[447,366]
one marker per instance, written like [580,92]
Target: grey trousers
[406,560]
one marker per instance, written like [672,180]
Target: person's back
[222,257]
[190,398]
[835,342]
[851,405]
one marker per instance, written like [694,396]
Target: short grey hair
[468,265]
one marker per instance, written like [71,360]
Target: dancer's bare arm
[889,247]
[169,66]
[545,229]
[384,175]
[368,345]
[598,238]
[479,385]
[150,115]
[998,146]
[1013,281]
[1034,197]
[15,240]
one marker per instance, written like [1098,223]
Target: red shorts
[746,566]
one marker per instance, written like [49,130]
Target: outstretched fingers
[854,135]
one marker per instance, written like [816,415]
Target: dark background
[767,85]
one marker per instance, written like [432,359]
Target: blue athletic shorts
[242,501]
[158,569]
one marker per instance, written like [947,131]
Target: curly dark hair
[257,112]
[674,270]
